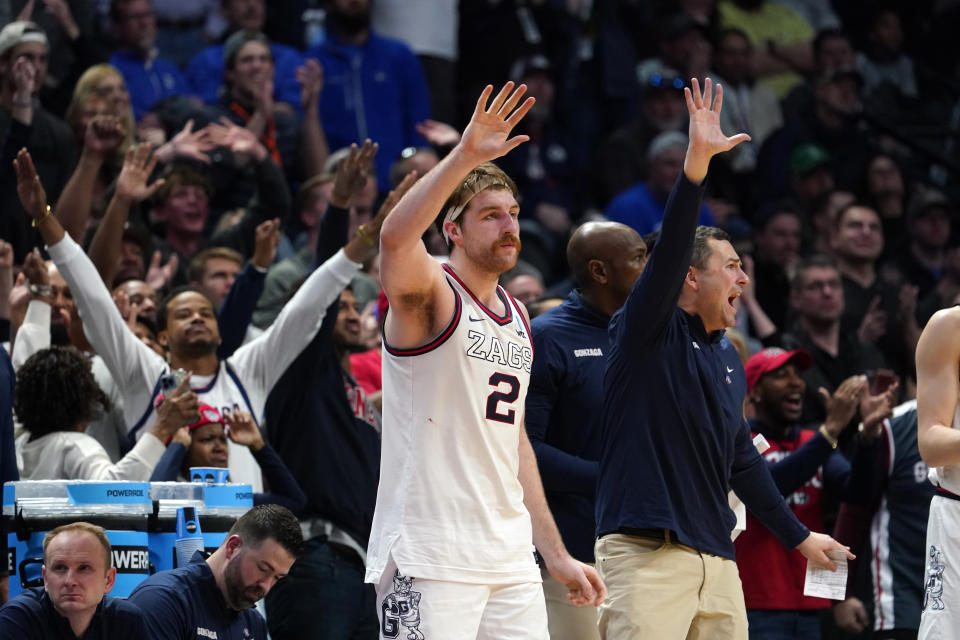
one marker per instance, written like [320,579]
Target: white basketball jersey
[948,477]
[450,504]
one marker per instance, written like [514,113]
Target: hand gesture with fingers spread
[138,164]
[364,244]
[352,173]
[487,136]
[706,137]
[158,275]
[189,144]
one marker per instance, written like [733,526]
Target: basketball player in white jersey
[938,437]
[460,504]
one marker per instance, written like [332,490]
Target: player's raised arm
[411,280]
[938,387]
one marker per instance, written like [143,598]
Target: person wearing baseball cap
[204,444]
[804,463]
[25,123]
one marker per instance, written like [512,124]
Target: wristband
[42,290]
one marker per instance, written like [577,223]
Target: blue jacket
[186,603]
[32,616]
[375,90]
[639,209]
[148,82]
[674,438]
[563,410]
[204,74]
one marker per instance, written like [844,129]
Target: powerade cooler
[31,508]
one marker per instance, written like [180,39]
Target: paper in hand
[823,583]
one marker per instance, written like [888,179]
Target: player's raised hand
[487,136]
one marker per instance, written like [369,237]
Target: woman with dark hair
[54,399]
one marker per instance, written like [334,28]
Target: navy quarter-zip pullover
[570,343]
[674,437]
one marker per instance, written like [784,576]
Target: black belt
[660,535]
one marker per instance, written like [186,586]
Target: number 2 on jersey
[508,397]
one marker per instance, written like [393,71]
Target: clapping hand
[310,77]
[103,135]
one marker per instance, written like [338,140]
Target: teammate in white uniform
[460,504]
[938,437]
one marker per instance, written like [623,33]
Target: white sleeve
[33,335]
[261,362]
[87,460]
[134,366]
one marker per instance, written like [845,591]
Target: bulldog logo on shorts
[933,587]
[401,608]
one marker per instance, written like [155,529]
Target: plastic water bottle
[189,538]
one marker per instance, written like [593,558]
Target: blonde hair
[481,178]
[85,527]
[86,90]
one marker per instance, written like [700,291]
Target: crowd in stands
[200,187]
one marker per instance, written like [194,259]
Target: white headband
[454,212]
[33,36]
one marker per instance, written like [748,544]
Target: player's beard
[493,260]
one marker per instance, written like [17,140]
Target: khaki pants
[667,591]
[565,621]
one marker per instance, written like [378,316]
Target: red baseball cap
[208,415]
[773,358]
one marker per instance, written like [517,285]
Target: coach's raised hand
[706,137]
[488,135]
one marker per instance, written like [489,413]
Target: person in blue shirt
[642,205]
[566,394]
[214,598]
[373,87]
[204,74]
[148,77]
[674,439]
[72,603]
